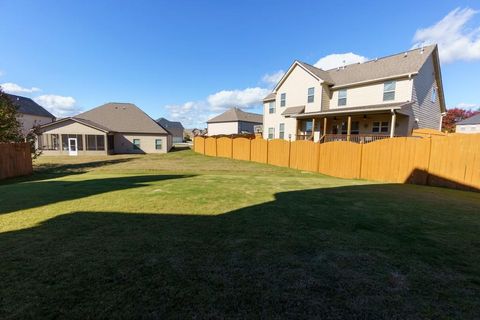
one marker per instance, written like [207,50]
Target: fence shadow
[369,251]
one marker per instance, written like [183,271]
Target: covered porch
[355,125]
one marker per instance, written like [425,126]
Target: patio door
[72,147]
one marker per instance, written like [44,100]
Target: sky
[189,60]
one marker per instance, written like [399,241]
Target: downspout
[443,114]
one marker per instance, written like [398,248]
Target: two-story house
[362,102]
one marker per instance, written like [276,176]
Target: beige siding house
[233,121]
[109,129]
[30,113]
[469,125]
[360,102]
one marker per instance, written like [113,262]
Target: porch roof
[377,108]
[293,111]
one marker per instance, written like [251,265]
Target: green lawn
[187,236]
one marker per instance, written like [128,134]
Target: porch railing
[356,138]
[305,137]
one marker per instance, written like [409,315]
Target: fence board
[279,152]
[211,147]
[304,155]
[340,159]
[241,149]
[259,148]
[224,147]
[199,144]
[15,160]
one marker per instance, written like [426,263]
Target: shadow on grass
[40,193]
[365,252]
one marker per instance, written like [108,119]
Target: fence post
[289,152]
[231,148]
[216,147]
[267,151]
[249,149]
[427,178]
[361,161]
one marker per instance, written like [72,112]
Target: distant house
[108,129]
[233,121]
[469,125]
[174,127]
[30,113]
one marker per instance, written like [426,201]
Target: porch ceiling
[371,109]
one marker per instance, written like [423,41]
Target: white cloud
[196,113]
[468,106]
[60,106]
[245,98]
[15,88]
[339,59]
[456,41]
[2,73]
[271,79]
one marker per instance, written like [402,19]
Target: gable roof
[401,64]
[122,117]
[235,114]
[85,122]
[472,120]
[28,106]
[167,124]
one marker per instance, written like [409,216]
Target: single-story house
[233,121]
[469,125]
[174,127]
[108,129]
[30,113]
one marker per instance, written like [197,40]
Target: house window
[49,141]
[95,142]
[283,100]
[342,97]
[434,95]
[271,133]
[380,127]
[136,144]
[308,127]
[389,90]
[354,129]
[271,107]
[311,95]
[281,131]
[158,144]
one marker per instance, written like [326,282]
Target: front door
[72,147]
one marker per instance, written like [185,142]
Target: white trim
[285,76]
[391,109]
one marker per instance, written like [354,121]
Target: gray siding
[427,112]
[326,96]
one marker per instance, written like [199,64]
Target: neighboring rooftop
[236,114]
[167,124]
[28,106]
[472,120]
[122,117]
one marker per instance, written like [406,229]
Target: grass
[187,236]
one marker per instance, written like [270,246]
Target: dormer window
[311,95]
[389,91]
[283,100]
[342,97]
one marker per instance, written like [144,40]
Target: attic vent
[422,50]
[406,54]
[376,59]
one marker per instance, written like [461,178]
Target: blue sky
[188,60]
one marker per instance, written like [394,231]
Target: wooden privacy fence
[15,160]
[450,161]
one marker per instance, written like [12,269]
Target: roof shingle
[28,106]
[235,114]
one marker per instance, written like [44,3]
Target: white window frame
[271,109]
[311,95]
[283,99]
[389,91]
[434,95]
[281,131]
[271,133]
[381,127]
[342,98]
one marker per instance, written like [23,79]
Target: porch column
[313,129]
[392,129]
[325,126]
[296,130]
[349,127]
